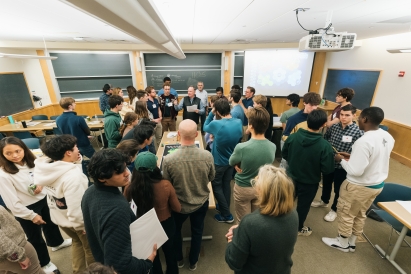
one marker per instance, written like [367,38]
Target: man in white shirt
[367,168]
[203,95]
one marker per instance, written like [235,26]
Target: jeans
[169,227]
[338,177]
[89,152]
[197,227]
[33,232]
[222,188]
[203,118]
[305,194]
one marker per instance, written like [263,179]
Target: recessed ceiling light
[78,38]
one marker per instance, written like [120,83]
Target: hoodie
[112,122]
[65,184]
[308,155]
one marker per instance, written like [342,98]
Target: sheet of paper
[171,134]
[133,207]
[33,123]
[406,205]
[50,125]
[191,108]
[145,232]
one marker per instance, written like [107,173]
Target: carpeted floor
[311,255]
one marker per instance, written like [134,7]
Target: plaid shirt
[334,136]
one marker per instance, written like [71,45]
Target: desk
[160,151]
[42,125]
[404,217]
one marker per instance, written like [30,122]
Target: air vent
[347,41]
[315,42]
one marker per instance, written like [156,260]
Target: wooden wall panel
[227,73]
[89,108]
[279,106]
[47,77]
[317,73]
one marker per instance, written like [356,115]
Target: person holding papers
[107,214]
[148,189]
[192,105]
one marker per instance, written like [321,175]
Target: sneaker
[193,267]
[330,217]
[305,231]
[351,243]
[219,218]
[319,203]
[351,248]
[66,243]
[180,264]
[50,268]
[339,243]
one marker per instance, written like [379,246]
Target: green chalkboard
[205,67]
[14,94]
[364,83]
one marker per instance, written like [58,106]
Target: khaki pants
[34,267]
[158,132]
[168,124]
[352,205]
[245,201]
[245,136]
[80,250]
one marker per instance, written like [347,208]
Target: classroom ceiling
[209,21]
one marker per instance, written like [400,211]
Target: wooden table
[404,217]
[169,141]
[43,125]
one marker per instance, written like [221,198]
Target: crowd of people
[87,194]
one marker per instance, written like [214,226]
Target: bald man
[189,169]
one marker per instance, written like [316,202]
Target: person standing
[17,255]
[219,91]
[236,110]
[168,111]
[226,133]
[189,101]
[27,202]
[203,95]
[103,101]
[60,174]
[367,167]
[344,96]
[341,136]
[264,240]
[310,148]
[154,107]
[167,81]
[112,121]
[292,100]
[189,169]
[148,189]
[246,103]
[107,214]
[247,158]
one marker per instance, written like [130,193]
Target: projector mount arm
[324,30]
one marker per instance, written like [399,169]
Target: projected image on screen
[278,72]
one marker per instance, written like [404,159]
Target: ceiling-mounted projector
[328,42]
[325,39]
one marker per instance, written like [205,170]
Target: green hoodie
[308,155]
[112,122]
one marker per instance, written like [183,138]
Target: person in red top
[148,189]
[344,96]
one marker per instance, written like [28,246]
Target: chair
[54,117]
[99,130]
[383,127]
[390,193]
[22,134]
[32,143]
[57,131]
[39,117]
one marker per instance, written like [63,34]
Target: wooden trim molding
[317,73]
[227,73]
[47,77]
[138,73]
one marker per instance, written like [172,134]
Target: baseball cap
[145,161]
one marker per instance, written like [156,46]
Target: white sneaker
[339,243]
[50,268]
[330,217]
[319,203]
[305,231]
[66,243]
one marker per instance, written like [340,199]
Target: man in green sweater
[308,155]
[247,158]
[112,121]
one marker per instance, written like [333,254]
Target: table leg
[394,252]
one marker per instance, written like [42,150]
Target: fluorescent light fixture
[400,50]
[137,18]
[23,56]
[78,38]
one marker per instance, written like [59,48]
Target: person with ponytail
[130,120]
[149,190]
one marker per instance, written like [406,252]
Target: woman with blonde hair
[264,241]
[118,91]
[130,120]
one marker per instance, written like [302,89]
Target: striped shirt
[342,139]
